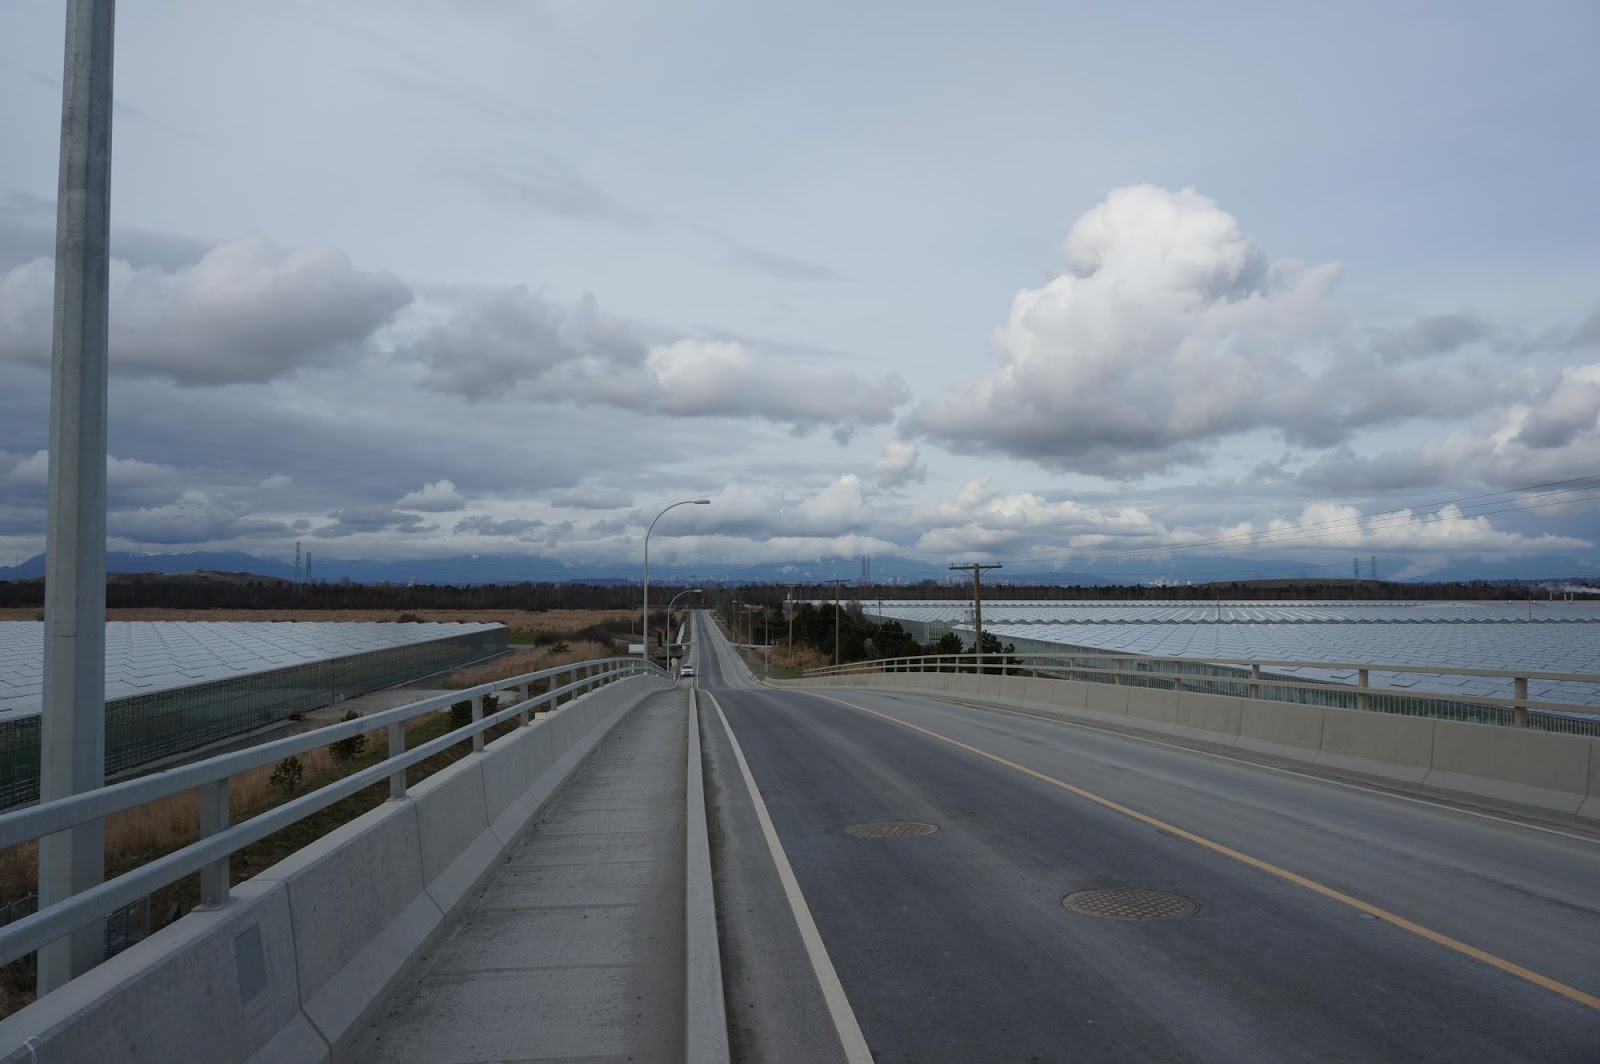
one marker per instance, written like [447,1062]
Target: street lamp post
[659,516]
[674,602]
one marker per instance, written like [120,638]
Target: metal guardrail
[218,841]
[1184,673]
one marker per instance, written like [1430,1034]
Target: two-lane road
[1332,922]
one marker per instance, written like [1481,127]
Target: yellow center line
[1385,915]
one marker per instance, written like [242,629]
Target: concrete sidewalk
[575,951]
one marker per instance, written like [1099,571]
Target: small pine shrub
[347,750]
[461,713]
[287,777]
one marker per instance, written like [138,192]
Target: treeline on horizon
[243,591]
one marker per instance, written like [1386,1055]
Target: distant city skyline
[1152,288]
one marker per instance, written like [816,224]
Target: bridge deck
[575,949]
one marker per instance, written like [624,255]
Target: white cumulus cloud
[900,465]
[1169,328]
[440,496]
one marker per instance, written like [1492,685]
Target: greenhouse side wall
[146,728]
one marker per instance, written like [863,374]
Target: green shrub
[287,777]
[460,713]
[347,750]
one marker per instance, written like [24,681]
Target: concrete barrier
[1067,694]
[1209,718]
[1380,744]
[1151,708]
[1591,806]
[222,986]
[1281,728]
[1529,768]
[1106,698]
[1512,765]
[304,953]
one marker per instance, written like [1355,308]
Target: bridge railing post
[1519,694]
[1255,681]
[1363,700]
[214,883]
[397,746]
[477,715]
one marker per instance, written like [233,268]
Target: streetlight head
[701,502]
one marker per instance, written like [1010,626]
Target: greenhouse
[175,686]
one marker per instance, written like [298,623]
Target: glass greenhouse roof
[149,657]
[1560,637]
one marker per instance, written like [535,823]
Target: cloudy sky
[1063,286]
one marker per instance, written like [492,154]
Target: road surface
[1331,922]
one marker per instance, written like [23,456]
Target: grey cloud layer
[245,312]
[517,339]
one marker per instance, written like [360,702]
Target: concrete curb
[705,1012]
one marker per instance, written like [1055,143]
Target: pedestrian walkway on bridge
[575,949]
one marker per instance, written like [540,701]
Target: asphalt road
[1334,922]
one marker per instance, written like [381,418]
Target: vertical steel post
[1519,692]
[72,743]
[1255,681]
[477,715]
[397,746]
[1362,700]
[214,818]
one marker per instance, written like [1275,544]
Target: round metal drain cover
[1131,903]
[894,829]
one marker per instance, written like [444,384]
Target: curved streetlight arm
[645,626]
[674,602]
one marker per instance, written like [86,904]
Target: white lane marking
[844,1017]
[1364,788]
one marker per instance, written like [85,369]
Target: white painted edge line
[843,1016]
[1365,788]
[705,1016]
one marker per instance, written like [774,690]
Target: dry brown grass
[523,661]
[136,835]
[558,623]
[803,658]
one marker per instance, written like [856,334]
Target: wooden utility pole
[977,602]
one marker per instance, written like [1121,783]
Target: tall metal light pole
[72,738]
[659,516]
[674,602]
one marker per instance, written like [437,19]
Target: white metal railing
[218,841]
[1170,672]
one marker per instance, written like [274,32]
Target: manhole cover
[1131,903]
[894,829]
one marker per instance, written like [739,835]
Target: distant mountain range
[513,569]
